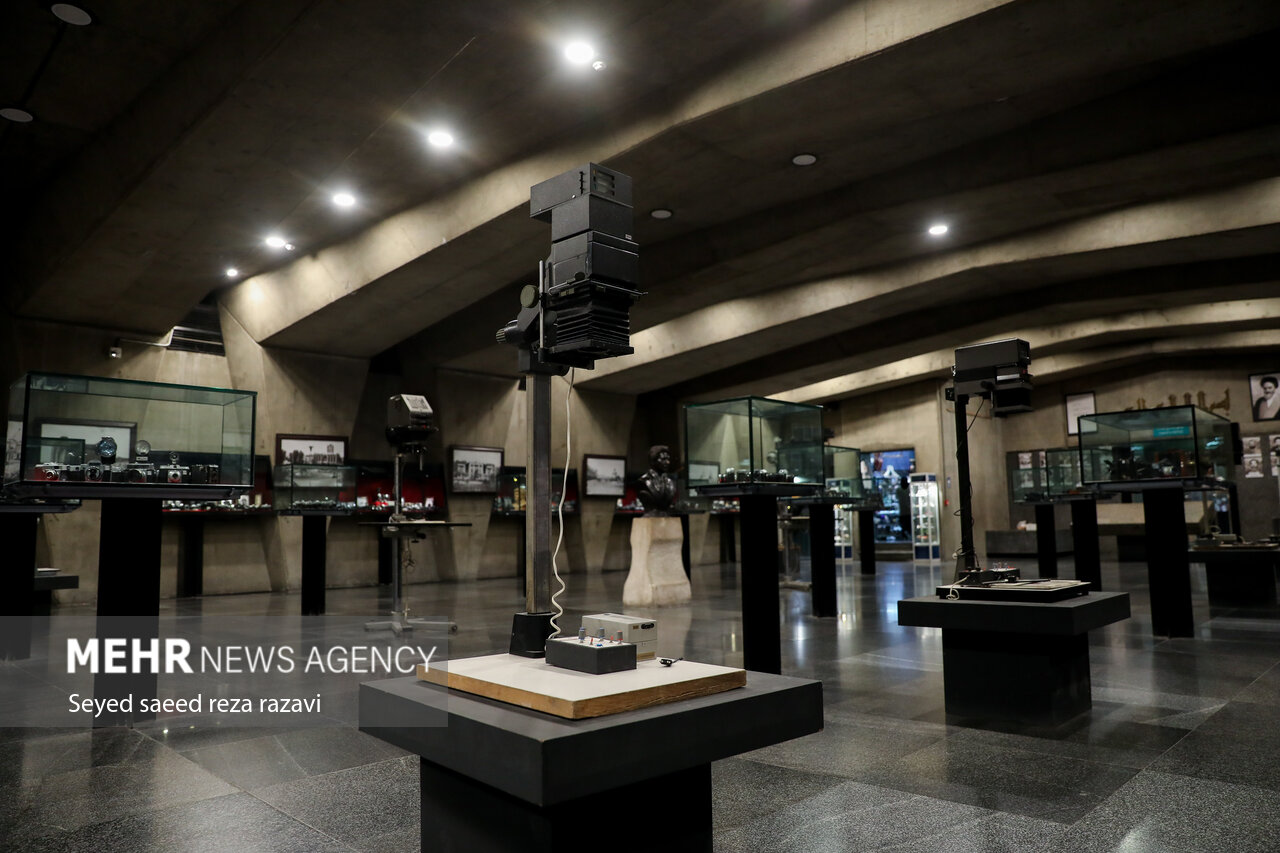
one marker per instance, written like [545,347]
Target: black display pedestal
[497,778]
[190,555]
[1046,541]
[761,644]
[315,549]
[1168,566]
[728,541]
[822,559]
[128,596]
[1239,576]
[385,559]
[867,540]
[1084,542]
[459,814]
[1023,661]
[17,579]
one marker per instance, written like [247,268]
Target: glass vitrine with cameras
[513,490]
[1028,475]
[1062,472]
[303,486]
[842,471]
[1154,445]
[97,437]
[926,522]
[753,440]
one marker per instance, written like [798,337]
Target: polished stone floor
[1181,751]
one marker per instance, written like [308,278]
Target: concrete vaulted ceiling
[1110,172]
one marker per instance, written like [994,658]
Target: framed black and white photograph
[1264,395]
[474,470]
[606,476]
[311,449]
[704,472]
[1077,405]
[60,440]
[1253,465]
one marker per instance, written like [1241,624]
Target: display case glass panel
[513,490]
[1028,478]
[1155,445]
[843,470]
[90,436]
[1062,472]
[422,490]
[300,486]
[753,440]
[926,532]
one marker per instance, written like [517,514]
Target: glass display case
[753,440]
[842,470]
[926,528]
[1028,477]
[299,486]
[93,437]
[421,489]
[513,491]
[1062,472]
[1153,446]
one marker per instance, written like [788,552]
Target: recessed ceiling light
[15,114]
[232,272]
[661,213]
[804,159]
[440,138]
[938,229]
[275,241]
[579,52]
[598,65]
[73,15]
[344,199]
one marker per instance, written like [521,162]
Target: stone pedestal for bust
[657,573]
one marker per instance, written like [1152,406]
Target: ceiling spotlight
[232,272]
[73,15]
[579,52]
[275,241]
[804,159]
[15,114]
[344,199]
[440,138]
[938,229]
[598,65]
[660,213]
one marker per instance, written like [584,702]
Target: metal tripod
[401,534]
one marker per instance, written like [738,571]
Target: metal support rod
[538,506]
[398,544]
[968,560]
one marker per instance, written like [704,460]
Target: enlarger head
[996,370]
[410,421]
[580,310]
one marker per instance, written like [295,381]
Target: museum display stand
[1016,660]
[1159,453]
[499,778]
[764,450]
[657,576]
[24,595]
[926,525]
[130,444]
[1239,574]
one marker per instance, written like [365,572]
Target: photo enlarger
[410,424]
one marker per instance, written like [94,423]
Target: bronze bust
[657,486]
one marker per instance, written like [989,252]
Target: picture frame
[704,472]
[474,470]
[90,433]
[1077,405]
[311,449]
[1264,396]
[604,476]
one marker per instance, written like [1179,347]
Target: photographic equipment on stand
[579,311]
[995,371]
[410,423]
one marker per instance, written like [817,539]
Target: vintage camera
[93,472]
[141,472]
[49,471]
[996,370]
[581,309]
[199,474]
[73,473]
[174,473]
